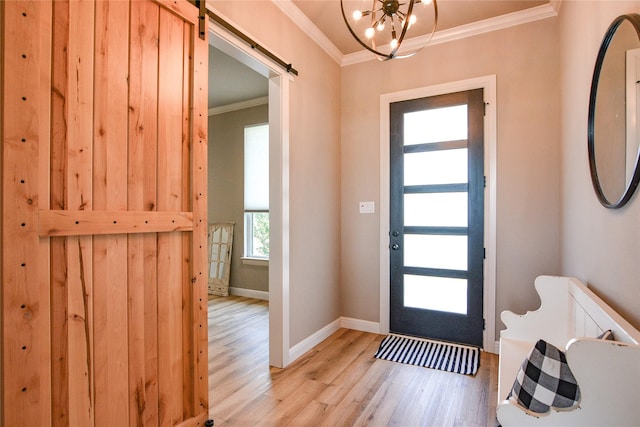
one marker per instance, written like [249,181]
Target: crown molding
[308,27]
[238,106]
[556,4]
[544,11]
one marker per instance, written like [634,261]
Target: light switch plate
[367,207]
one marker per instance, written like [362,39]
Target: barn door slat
[142,195]
[26,325]
[110,193]
[71,188]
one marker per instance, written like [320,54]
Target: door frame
[488,83]
[279,265]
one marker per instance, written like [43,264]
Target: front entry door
[437,206]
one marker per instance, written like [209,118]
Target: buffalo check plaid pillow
[545,381]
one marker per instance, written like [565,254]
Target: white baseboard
[344,322]
[360,325]
[313,340]
[249,293]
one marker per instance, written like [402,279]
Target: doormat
[455,358]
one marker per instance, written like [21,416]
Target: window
[256,191]
[256,225]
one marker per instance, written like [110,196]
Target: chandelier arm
[405,26]
[433,31]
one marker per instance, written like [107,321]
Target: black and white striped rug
[430,354]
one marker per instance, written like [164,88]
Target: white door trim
[488,83]
[279,81]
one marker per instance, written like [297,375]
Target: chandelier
[382,25]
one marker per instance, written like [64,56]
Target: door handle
[395,246]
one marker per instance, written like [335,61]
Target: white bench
[608,372]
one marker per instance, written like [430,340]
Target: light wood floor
[337,383]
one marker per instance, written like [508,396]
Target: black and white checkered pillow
[545,381]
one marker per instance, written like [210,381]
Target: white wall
[599,246]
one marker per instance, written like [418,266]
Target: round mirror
[614,113]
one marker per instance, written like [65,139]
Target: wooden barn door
[104,228]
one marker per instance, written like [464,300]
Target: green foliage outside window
[261,234]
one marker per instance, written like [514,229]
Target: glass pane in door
[435,251]
[435,293]
[436,125]
[436,167]
[436,209]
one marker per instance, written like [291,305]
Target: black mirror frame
[632,184]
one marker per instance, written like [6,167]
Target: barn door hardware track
[203,12]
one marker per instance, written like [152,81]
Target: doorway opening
[488,84]
[238,122]
[278,107]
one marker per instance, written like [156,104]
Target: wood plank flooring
[337,383]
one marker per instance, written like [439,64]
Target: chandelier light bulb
[380,26]
[393,43]
[412,20]
[357,15]
[369,32]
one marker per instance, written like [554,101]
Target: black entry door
[437,217]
